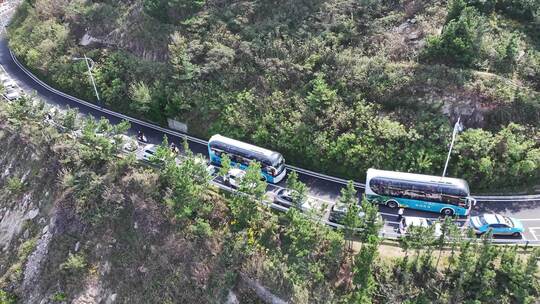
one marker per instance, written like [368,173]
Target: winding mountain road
[321,187]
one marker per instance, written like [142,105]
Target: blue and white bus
[241,154]
[444,195]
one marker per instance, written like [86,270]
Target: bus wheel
[392,204]
[447,212]
[516,234]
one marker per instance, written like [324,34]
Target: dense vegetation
[167,236]
[336,86]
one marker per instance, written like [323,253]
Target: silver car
[149,151]
[284,198]
[12,94]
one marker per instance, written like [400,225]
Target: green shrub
[7,298]
[59,297]
[26,248]
[15,185]
[74,263]
[201,228]
[459,43]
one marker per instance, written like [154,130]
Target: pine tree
[225,165]
[299,189]
[364,266]
[351,220]
[482,279]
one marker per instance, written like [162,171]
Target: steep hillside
[81,224]
[337,86]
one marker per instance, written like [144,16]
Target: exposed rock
[111,299]
[32,214]
[262,292]
[231,298]
[32,269]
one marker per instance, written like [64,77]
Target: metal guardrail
[511,198]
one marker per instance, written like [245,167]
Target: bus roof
[222,142]
[432,179]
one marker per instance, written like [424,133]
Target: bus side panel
[430,206]
[420,205]
[416,204]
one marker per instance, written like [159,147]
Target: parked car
[409,221]
[234,177]
[338,211]
[9,83]
[203,161]
[498,224]
[4,77]
[284,197]
[127,143]
[12,94]
[149,151]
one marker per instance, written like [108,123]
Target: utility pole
[90,65]
[457,128]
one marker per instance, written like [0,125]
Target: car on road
[338,212]
[12,94]
[9,83]
[199,159]
[497,223]
[127,143]
[284,198]
[149,151]
[234,177]
[409,221]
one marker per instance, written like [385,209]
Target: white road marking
[529,220]
[532,229]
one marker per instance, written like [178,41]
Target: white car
[409,221]
[127,143]
[149,151]
[234,177]
[3,77]
[209,168]
[10,83]
[12,94]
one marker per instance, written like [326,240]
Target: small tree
[253,183]
[69,119]
[450,233]
[225,165]
[364,266]
[459,42]
[299,189]
[482,279]
[351,220]
[246,202]
[140,96]
[371,222]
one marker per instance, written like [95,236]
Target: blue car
[499,225]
